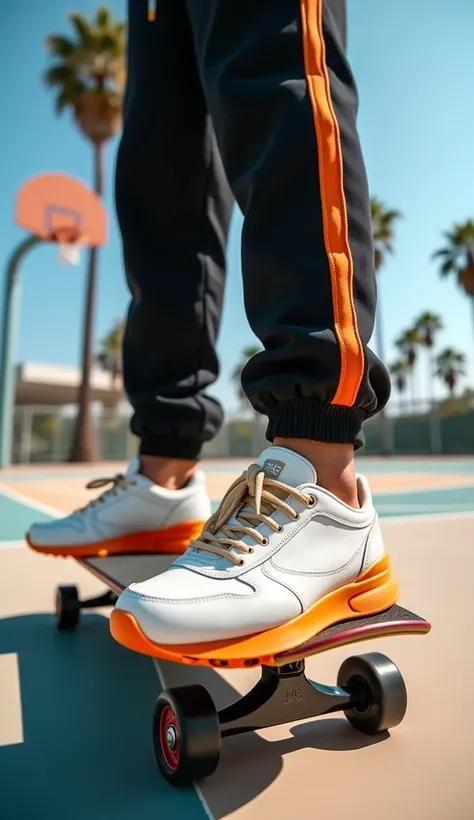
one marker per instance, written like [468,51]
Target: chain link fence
[44,434]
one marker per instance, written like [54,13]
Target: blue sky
[414,64]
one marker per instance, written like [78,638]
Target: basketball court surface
[75,708]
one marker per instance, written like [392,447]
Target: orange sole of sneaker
[169,541]
[372,592]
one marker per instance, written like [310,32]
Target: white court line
[452,511]
[55,513]
[389,519]
[26,502]
[12,726]
[199,793]
[436,516]
[29,502]
[424,509]
[424,489]
[5,545]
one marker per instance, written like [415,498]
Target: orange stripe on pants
[333,203]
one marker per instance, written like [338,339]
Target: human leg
[299,529]
[174,206]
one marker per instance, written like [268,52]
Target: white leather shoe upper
[240,590]
[133,504]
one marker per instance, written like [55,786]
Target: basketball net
[69,254]
[69,249]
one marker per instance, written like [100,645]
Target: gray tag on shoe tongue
[273,468]
[282,464]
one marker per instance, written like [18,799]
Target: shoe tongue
[133,468]
[277,462]
[287,466]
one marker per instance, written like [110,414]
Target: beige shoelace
[118,481]
[253,490]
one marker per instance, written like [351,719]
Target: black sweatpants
[252,101]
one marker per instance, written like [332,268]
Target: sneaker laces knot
[250,501]
[117,482]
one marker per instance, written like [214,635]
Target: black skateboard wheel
[186,734]
[379,695]
[68,607]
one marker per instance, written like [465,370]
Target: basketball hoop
[61,209]
[69,249]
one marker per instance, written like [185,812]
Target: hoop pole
[11,309]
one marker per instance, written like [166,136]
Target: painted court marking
[11,726]
[197,787]
[11,729]
[412,506]
[29,502]
[4,545]
[401,506]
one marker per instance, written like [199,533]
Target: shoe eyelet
[251,551]
[296,517]
[241,562]
[311,501]
[280,528]
[265,542]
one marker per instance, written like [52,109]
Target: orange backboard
[60,208]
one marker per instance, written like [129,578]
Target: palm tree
[428,326]
[247,353]
[450,367]
[408,343]
[457,257]
[399,371]
[88,76]
[383,234]
[109,356]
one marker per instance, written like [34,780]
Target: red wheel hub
[169,738]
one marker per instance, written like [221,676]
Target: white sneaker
[281,556]
[134,515]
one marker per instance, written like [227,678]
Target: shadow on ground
[87,705]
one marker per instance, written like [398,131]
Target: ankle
[334,465]
[170,473]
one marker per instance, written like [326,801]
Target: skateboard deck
[395,621]
[119,571]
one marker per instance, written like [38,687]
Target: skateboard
[187,729]
[117,572]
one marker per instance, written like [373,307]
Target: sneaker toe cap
[179,607]
[63,532]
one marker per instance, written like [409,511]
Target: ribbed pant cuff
[170,447]
[316,420]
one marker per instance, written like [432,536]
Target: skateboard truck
[187,728]
[69,605]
